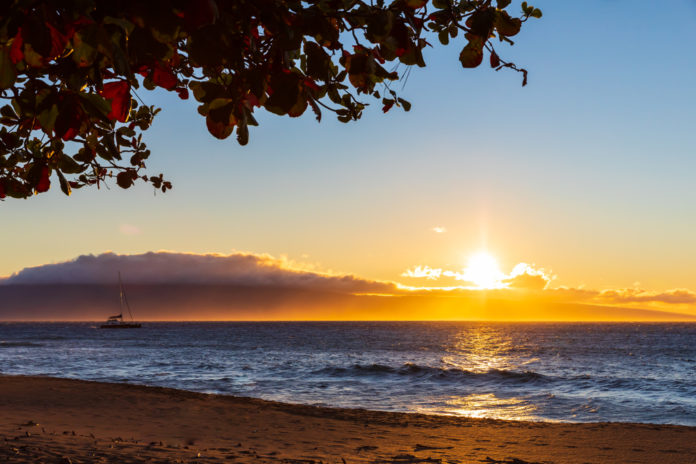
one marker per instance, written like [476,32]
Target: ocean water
[548,372]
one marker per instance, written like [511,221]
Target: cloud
[439,230]
[522,277]
[526,277]
[623,296]
[636,295]
[188,268]
[423,272]
[266,272]
[129,229]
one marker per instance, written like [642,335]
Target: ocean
[577,372]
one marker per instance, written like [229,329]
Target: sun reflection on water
[481,349]
[487,405]
[488,349]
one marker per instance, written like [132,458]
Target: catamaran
[117,322]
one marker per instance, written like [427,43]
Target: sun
[483,271]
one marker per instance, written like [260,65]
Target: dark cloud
[186,268]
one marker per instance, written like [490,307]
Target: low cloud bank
[522,277]
[246,286]
[188,268]
[266,271]
[636,295]
[538,281]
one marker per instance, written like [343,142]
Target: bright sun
[482,270]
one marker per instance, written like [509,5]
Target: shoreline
[335,411]
[48,418]
[691,320]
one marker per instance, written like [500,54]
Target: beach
[53,420]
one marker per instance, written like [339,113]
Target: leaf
[64,185]
[472,55]
[119,95]
[44,180]
[220,120]
[70,118]
[69,166]
[84,52]
[8,112]
[16,53]
[58,41]
[506,25]
[242,134]
[405,104]
[164,77]
[126,179]
[8,71]
[495,59]
[481,22]
[47,118]
[285,93]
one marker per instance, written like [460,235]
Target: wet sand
[70,421]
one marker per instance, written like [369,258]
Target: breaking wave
[18,344]
[417,372]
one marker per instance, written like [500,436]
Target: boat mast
[123,297]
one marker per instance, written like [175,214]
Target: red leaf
[2,189]
[164,77]
[16,53]
[309,83]
[143,70]
[388,106]
[71,116]
[44,182]
[58,41]
[251,101]
[119,95]
[69,134]
[183,93]
[495,60]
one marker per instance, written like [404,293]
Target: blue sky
[587,171]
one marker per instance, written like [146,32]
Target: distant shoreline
[46,417]
[350,321]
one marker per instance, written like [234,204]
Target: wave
[18,344]
[418,372]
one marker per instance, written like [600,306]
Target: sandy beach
[53,420]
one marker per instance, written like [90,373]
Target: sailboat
[117,322]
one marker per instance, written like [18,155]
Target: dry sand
[61,421]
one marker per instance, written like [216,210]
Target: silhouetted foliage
[69,71]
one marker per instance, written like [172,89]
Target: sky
[585,174]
